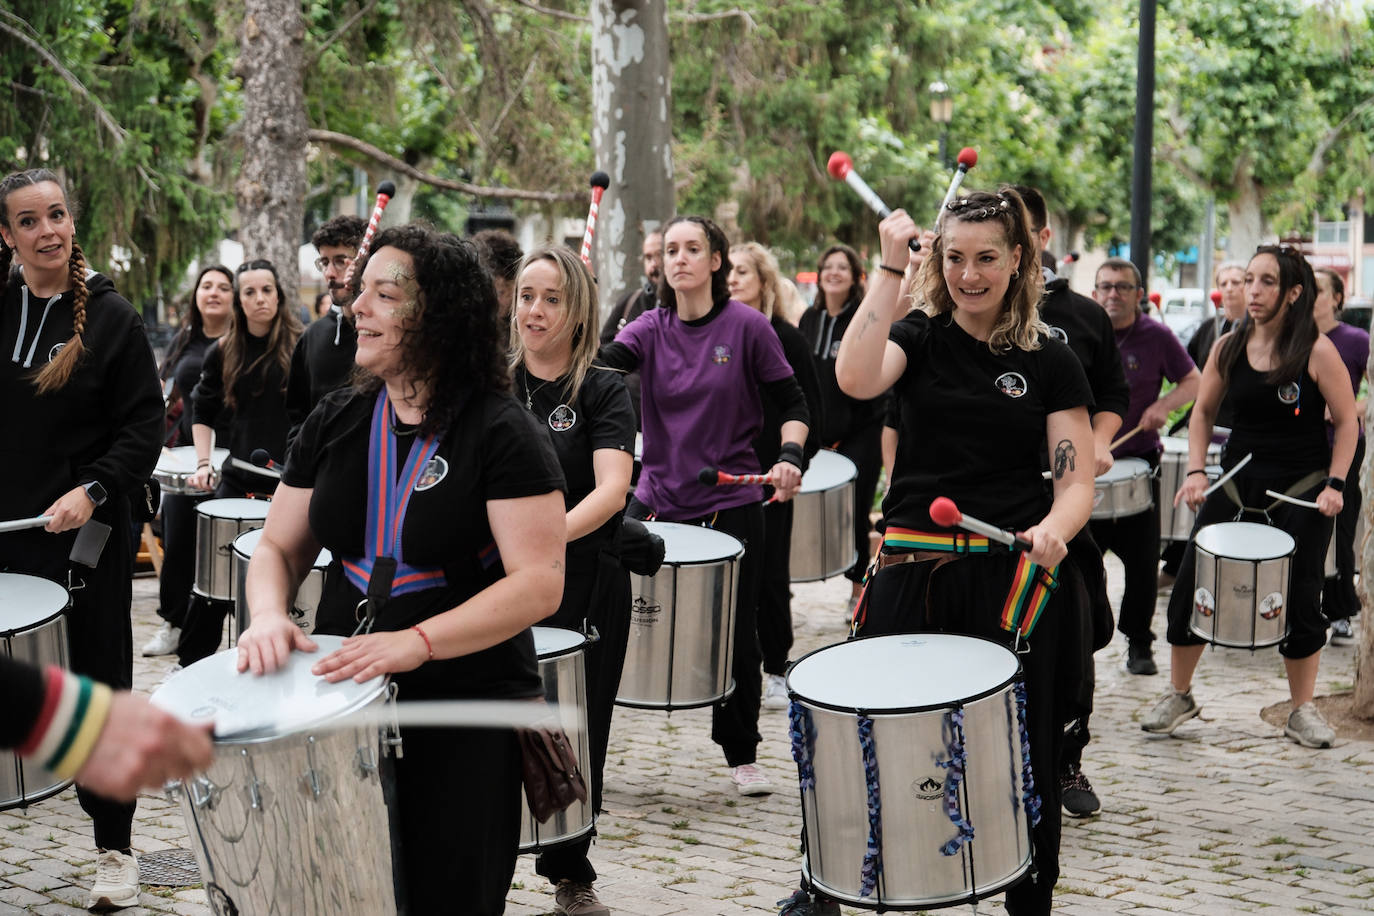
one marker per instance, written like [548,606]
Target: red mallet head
[968,157]
[944,513]
[1155,298]
[1216,298]
[839,165]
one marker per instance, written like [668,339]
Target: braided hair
[55,375]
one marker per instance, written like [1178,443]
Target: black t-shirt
[972,424]
[258,418]
[1282,426]
[599,417]
[493,451]
[1085,326]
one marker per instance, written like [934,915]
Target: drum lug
[366,762]
[255,797]
[204,793]
[391,734]
[310,779]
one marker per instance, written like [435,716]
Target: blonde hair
[1019,325]
[579,299]
[766,268]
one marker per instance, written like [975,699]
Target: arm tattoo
[869,320]
[1065,456]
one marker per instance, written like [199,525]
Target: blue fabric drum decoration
[33,628]
[823,519]
[1240,593]
[563,668]
[915,770]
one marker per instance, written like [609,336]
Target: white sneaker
[164,641]
[116,882]
[749,780]
[775,692]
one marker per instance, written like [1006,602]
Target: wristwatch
[96,493]
[1335,483]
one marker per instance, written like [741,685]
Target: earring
[1016,274]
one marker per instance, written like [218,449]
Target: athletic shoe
[164,641]
[1342,633]
[1076,793]
[1307,727]
[1140,659]
[573,898]
[116,882]
[802,904]
[775,692]
[749,780]
[1170,712]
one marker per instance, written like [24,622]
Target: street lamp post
[942,112]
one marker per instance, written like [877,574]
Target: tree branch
[709,17]
[557,14]
[1314,165]
[348,24]
[391,162]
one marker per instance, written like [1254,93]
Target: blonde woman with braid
[82,428]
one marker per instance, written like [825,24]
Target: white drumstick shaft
[20,524]
[252,468]
[954,184]
[986,530]
[1227,476]
[870,197]
[1305,503]
[423,714]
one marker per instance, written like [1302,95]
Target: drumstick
[714,477]
[1305,503]
[600,182]
[968,158]
[385,191]
[1227,476]
[252,468]
[19,524]
[1122,439]
[416,714]
[841,168]
[946,514]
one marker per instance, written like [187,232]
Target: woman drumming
[706,364]
[754,281]
[84,419]
[479,536]
[585,411]
[853,426]
[242,388]
[207,320]
[1280,377]
[1340,601]
[981,386]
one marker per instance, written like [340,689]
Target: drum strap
[1302,485]
[1031,588]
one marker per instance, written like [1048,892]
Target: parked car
[1357,311]
[1184,310]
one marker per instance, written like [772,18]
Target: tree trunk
[631,135]
[270,190]
[1248,228]
[1363,705]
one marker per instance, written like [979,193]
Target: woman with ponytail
[83,422]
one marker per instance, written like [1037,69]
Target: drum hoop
[571,650]
[38,624]
[685,564]
[308,730]
[872,712]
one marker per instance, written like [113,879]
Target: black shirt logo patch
[1059,334]
[1288,393]
[562,418]
[834,349]
[721,355]
[435,471]
[1012,384]
[56,349]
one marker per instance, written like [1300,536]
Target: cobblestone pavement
[1226,817]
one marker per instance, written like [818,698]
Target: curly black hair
[455,341]
[340,231]
[500,253]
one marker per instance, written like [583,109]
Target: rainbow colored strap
[958,542]
[1031,588]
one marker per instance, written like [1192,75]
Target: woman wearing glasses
[1280,377]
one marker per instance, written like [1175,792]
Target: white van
[1184,310]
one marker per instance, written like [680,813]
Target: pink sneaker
[749,780]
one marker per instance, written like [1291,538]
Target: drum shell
[682,626]
[823,520]
[1122,496]
[39,643]
[303,609]
[564,674]
[914,821]
[215,535]
[1176,522]
[176,466]
[1238,588]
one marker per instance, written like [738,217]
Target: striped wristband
[74,712]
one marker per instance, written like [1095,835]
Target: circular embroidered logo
[562,418]
[1012,384]
[1203,603]
[435,470]
[1271,605]
[834,349]
[1059,334]
[1132,362]
[721,355]
[1288,393]
[56,349]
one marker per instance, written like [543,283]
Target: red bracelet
[428,644]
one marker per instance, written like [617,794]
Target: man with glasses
[323,358]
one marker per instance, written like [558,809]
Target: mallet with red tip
[946,514]
[968,158]
[715,477]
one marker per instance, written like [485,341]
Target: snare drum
[912,690]
[682,622]
[1176,522]
[33,628]
[307,596]
[562,666]
[1240,594]
[218,522]
[289,818]
[176,465]
[1124,490]
[823,519]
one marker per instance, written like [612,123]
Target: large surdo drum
[33,629]
[218,522]
[823,519]
[1240,595]
[303,608]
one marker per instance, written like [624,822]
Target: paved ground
[1226,817]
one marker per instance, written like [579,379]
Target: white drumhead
[234,508]
[827,471]
[1174,445]
[246,543]
[28,600]
[1245,541]
[902,672]
[288,700]
[182,459]
[1125,469]
[693,543]
[551,641]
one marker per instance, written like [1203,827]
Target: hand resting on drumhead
[284,556]
[142,747]
[72,510]
[365,657]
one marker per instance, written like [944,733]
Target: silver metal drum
[307,600]
[176,465]
[823,519]
[289,818]
[682,622]
[562,666]
[1176,522]
[910,687]
[1240,596]
[218,522]
[33,629]
[1124,490]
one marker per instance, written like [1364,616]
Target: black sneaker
[1076,793]
[1140,659]
[802,904]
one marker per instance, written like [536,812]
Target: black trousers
[1135,541]
[1339,598]
[864,447]
[775,588]
[178,557]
